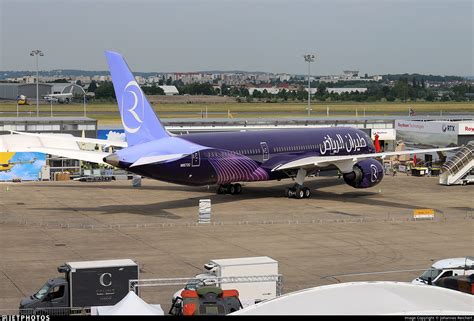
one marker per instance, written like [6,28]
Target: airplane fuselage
[251,155]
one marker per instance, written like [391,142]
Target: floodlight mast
[36,53]
[309,58]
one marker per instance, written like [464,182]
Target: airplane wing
[49,145]
[345,163]
[83,155]
[76,139]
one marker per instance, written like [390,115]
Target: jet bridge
[460,168]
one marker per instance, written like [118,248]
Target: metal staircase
[458,169]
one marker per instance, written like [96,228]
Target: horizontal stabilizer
[157,159]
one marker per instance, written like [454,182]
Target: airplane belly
[207,167]
[232,167]
[179,172]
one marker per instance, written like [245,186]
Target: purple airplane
[227,158]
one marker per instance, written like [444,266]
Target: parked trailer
[85,284]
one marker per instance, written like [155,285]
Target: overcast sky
[373,36]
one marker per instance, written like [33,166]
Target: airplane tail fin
[138,118]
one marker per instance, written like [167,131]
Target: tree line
[404,89]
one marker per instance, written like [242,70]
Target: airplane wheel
[299,193]
[232,189]
[238,188]
[287,192]
[221,190]
[307,192]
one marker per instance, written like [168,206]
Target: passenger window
[446,274]
[57,292]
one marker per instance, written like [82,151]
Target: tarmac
[340,234]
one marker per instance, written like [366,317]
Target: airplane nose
[112,159]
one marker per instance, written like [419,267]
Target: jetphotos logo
[132,107]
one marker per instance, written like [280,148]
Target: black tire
[220,190]
[287,192]
[232,189]
[238,188]
[299,193]
[307,192]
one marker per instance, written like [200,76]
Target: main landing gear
[229,189]
[298,190]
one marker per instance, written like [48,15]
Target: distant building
[170,90]
[11,91]
[270,90]
[345,90]
[348,75]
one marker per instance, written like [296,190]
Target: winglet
[138,118]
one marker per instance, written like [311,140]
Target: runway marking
[13,282]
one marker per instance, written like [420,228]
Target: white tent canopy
[131,304]
[367,298]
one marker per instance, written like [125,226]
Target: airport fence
[52,311]
[135,285]
[167,290]
[469,215]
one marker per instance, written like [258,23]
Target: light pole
[309,58]
[37,53]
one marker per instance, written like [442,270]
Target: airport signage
[433,127]
[466,128]
[426,213]
[384,134]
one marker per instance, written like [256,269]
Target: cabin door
[265,151]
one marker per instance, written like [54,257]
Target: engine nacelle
[366,173]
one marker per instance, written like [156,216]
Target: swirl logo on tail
[132,98]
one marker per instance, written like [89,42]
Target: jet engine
[365,173]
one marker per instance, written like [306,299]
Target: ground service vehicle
[459,283]
[85,284]
[249,292]
[207,300]
[446,268]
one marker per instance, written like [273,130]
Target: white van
[446,267]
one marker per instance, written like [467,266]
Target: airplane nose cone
[112,159]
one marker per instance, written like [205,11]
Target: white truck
[447,267]
[250,290]
[84,284]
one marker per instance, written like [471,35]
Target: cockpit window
[431,273]
[43,291]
